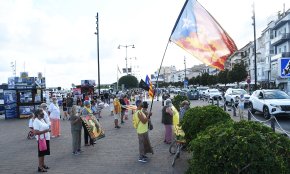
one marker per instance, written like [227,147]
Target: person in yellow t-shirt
[142,131]
[117,111]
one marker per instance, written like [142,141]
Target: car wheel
[266,112]
[252,108]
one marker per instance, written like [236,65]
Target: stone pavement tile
[116,153]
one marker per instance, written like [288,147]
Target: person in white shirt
[43,106]
[54,114]
[41,131]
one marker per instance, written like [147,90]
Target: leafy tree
[197,80]
[223,77]
[192,81]
[212,80]
[129,81]
[204,79]
[239,72]
[176,101]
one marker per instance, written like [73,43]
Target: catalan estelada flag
[197,32]
[149,83]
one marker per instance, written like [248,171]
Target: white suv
[270,102]
[214,94]
[231,94]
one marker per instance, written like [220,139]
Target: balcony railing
[280,39]
[277,56]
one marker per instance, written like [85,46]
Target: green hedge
[240,147]
[176,101]
[198,119]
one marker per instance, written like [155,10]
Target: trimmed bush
[240,147]
[197,119]
[176,101]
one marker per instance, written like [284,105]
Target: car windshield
[213,91]
[239,92]
[275,95]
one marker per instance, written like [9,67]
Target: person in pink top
[54,115]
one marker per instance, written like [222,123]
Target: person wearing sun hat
[43,106]
[167,120]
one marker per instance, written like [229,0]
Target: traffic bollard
[249,115]
[225,108]
[234,111]
[212,102]
[273,123]
[217,102]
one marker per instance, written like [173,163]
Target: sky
[57,37]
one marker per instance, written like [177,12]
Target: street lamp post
[255,54]
[126,46]
[97,33]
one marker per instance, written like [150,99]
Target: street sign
[284,67]
[185,82]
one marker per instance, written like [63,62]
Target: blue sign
[10,104]
[284,67]
[185,82]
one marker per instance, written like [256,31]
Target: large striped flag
[149,83]
[197,32]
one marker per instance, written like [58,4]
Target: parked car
[214,94]
[231,94]
[270,102]
[202,91]
[193,95]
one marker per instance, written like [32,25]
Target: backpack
[135,120]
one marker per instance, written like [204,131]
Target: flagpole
[117,77]
[159,74]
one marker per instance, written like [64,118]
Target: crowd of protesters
[47,119]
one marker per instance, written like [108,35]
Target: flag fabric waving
[149,83]
[143,85]
[197,32]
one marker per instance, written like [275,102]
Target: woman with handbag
[42,135]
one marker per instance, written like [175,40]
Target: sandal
[45,167]
[41,170]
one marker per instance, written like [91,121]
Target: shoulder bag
[42,144]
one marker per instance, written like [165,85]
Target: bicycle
[177,145]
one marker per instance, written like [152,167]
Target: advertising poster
[88,83]
[25,111]
[9,96]
[25,97]
[10,104]
[1,97]
[10,111]
[77,91]
[11,82]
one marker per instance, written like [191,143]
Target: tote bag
[42,144]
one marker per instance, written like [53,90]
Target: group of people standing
[47,121]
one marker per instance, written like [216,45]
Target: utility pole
[98,34]
[184,67]
[255,54]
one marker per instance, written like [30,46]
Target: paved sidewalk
[116,153]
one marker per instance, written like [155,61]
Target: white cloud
[57,37]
